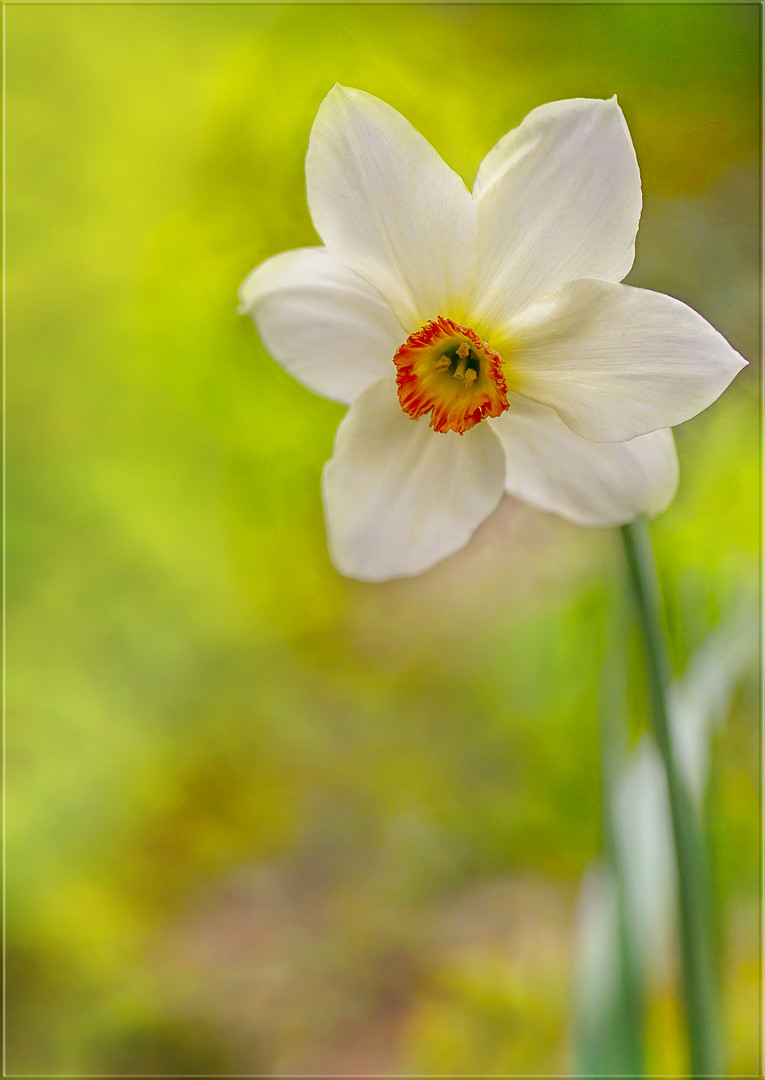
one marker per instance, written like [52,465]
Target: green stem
[692,870]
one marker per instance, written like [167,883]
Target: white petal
[323,323]
[558,198]
[398,496]
[616,362]
[388,206]
[642,822]
[700,699]
[596,952]
[590,483]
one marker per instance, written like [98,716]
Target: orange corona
[446,370]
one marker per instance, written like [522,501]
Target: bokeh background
[260,818]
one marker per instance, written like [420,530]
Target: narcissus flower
[482,341]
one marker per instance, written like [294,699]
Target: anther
[442,363]
[469,378]
[463,350]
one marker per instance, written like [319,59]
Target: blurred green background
[261,818]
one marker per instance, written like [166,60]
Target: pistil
[462,364]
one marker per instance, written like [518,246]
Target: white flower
[483,342]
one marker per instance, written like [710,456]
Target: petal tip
[338,89]
[346,94]
[611,105]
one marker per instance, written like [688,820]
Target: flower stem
[695,922]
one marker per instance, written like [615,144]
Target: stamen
[463,350]
[469,378]
[443,363]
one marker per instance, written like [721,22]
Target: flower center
[446,370]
